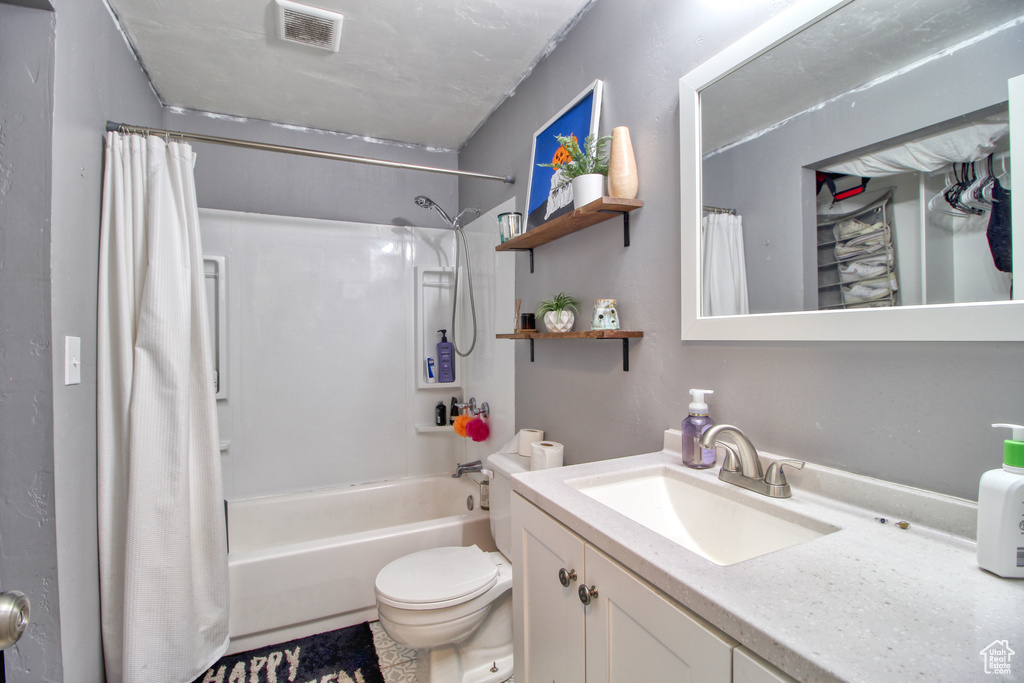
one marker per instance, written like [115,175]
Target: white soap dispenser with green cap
[1001,511]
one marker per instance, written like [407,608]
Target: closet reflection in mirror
[864,163]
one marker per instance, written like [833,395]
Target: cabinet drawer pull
[566,576]
[587,594]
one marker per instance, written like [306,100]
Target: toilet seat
[436,578]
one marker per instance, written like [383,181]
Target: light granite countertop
[869,602]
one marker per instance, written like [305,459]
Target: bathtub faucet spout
[464,468]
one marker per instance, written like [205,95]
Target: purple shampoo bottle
[445,360]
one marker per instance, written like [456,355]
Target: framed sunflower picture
[546,197]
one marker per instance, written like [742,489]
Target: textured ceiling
[426,72]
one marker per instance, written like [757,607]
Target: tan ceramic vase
[622,180]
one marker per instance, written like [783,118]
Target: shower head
[454,224]
[428,203]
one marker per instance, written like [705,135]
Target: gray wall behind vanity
[914,413]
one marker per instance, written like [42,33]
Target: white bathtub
[305,563]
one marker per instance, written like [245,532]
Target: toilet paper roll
[546,454]
[528,437]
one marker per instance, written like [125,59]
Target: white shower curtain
[725,268]
[163,555]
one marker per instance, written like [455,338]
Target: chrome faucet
[742,466]
[464,468]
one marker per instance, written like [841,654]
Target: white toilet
[455,603]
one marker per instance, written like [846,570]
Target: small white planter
[559,322]
[587,188]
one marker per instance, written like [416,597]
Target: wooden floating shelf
[583,334]
[624,335]
[593,213]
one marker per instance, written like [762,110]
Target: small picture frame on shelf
[580,117]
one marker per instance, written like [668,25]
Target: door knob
[566,576]
[587,594]
[14,616]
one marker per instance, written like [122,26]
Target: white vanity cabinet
[627,632]
[548,618]
[749,668]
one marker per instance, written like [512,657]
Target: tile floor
[397,663]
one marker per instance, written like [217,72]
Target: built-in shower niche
[435,286]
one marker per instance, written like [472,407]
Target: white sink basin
[704,520]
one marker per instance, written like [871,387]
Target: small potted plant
[586,168]
[558,312]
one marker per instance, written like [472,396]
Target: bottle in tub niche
[1001,511]
[695,424]
[445,359]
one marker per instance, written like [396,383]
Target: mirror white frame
[989,321]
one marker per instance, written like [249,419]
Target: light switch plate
[72,360]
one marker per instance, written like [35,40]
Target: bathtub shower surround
[323,356]
[319,319]
[163,565]
[305,563]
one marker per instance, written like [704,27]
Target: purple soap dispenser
[695,424]
[445,360]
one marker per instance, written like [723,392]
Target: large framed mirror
[846,174]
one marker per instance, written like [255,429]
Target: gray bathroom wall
[32,4]
[96,78]
[914,413]
[289,185]
[28,541]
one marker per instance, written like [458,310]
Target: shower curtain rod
[196,137]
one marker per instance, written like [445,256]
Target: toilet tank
[504,465]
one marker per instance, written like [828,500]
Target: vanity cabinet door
[749,668]
[549,619]
[636,634]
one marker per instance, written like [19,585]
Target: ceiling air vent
[309,25]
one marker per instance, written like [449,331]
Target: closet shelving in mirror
[857,264]
[595,212]
[624,335]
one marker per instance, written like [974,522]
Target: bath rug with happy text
[343,656]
